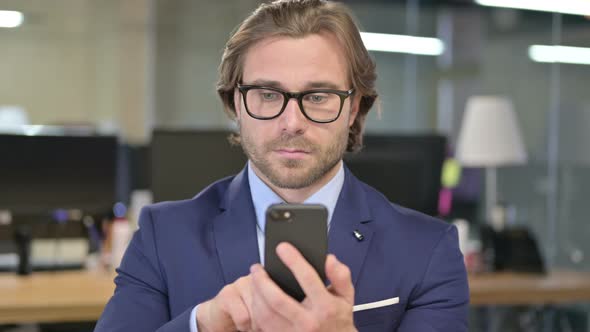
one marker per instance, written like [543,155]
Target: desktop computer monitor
[39,174]
[405,168]
[43,174]
[184,162]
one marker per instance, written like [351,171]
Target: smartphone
[305,226]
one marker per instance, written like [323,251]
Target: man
[299,82]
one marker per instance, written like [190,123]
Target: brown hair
[296,19]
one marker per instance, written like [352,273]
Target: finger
[243,317]
[212,315]
[340,278]
[264,318]
[233,303]
[239,314]
[273,299]
[304,273]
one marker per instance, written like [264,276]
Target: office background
[127,67]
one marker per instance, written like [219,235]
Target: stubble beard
[294,173]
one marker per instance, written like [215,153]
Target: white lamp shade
[490,135]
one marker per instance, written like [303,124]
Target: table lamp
[490,137]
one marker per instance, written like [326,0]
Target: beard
[294,173]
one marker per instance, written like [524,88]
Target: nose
[292,120]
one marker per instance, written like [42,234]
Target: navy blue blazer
[184,253]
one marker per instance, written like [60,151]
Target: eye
[316,98]
[269,96]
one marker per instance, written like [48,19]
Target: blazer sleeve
[140,301]
[440,303]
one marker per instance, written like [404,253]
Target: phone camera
[281,215]
[275,215]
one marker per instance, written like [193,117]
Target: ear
[354,110]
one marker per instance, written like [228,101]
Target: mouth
[292,153]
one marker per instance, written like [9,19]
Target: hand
[229,310]
[323,309]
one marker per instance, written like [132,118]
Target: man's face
[291,151]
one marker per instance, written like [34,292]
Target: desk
[48,297]
[522,289]
[81,295]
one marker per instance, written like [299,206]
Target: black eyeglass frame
[297,95]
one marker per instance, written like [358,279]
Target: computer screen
[405,168]
[39,174]
[184,162]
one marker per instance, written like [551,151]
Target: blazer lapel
[234,230]
[351,214]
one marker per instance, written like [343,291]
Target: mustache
[290,142]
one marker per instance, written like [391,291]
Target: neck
[301,194]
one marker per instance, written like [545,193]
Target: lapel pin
[358,235]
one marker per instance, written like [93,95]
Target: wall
[79,62]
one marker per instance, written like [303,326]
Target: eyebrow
[308,85]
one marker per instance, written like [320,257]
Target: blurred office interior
[140,75]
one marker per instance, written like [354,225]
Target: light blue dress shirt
[263,197]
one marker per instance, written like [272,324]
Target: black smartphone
[305,226]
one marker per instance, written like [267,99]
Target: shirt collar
[263,196]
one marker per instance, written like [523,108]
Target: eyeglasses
[320,105]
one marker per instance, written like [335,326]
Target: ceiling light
[574,7]
[562,54]
[382,42]
[10,19]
